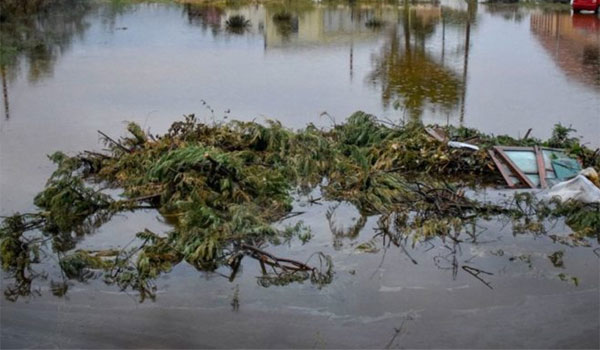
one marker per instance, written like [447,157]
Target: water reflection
[207,16]
[573,42]
[510,12]
[418,60]
[409,73]
[35,36]
[35,41]
[5,92]
[321,25]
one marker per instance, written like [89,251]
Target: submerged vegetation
[227,187]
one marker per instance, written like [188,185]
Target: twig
[314,200]
[96,154]
[430,248]
[380,263]
[118,144]
[397,243]
[235,266]
[476,272]
[143,198]
[332,119]
[396,333]
[291,215]
[270,259]
[406,252]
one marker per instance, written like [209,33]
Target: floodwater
[501,69]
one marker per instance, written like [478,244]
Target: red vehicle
[586,5]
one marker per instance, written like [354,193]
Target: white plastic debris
[456,144]
[578,188]
[592,175]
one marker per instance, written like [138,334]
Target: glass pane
[535,179]
[524,160]
[565,168]
[549,155]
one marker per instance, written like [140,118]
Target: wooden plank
[513,167]
[436,135]
[541,166]
[515,148]
[552,149]
[500,167]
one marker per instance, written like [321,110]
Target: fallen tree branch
[270,259]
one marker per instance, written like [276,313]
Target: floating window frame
[514,176]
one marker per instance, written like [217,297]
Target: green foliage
[582,218]
[586,156]
[561,137]
[69,205]
[80,265]
[18,253]
[529,215]
[363,130]
[283,279]
[139,137]
[368,247]
[557,258]
[566,278]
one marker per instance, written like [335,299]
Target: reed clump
[237,24]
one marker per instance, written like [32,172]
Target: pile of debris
[540,165]
[227,185]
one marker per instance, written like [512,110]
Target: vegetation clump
[227,186]
[237,24]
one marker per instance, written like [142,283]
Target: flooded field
[501,69]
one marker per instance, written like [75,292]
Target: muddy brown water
[501,69]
